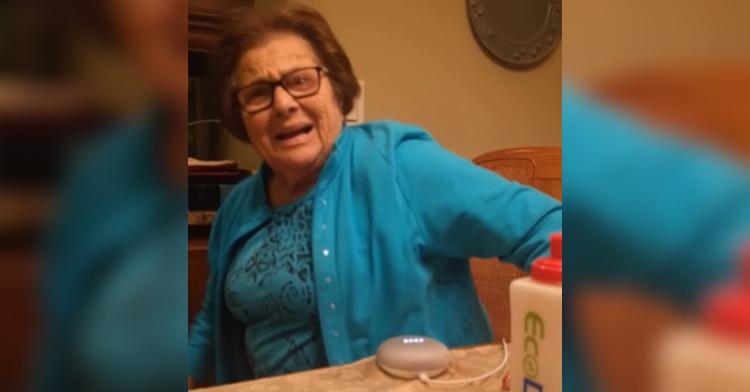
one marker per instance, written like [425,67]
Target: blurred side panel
[665,124]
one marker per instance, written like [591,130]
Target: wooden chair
[540,167]
[706,102]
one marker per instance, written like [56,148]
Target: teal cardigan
[395,219]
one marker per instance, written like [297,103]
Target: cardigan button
[325,252]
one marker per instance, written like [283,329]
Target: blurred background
[78,79]
[683,65]
[46,108]
[72,71]
[679,69]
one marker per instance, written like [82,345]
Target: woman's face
[293,135]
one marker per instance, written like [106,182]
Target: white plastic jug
[536,325]
[713,355]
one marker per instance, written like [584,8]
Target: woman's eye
[256,94]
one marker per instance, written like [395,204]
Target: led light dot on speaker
[409,356]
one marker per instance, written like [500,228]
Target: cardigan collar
[255,204]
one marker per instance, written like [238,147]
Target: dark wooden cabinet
[204,18]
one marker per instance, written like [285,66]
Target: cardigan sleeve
[667,216]
[463,210]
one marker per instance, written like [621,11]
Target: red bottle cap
[549,269]
[727,311]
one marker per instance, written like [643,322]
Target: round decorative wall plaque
[517,32]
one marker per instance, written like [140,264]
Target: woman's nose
[283,103]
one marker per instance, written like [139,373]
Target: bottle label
[534,330]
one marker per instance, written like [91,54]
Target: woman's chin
[301,162]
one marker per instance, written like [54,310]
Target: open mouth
[289,135]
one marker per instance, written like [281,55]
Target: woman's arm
[463,210]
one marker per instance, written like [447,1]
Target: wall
[638,33]
[421,64]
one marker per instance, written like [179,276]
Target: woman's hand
[191,383]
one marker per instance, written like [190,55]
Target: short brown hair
[246,29]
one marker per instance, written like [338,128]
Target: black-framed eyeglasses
[299,83]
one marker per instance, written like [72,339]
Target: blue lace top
[270,288]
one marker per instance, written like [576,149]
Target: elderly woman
[348,235]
